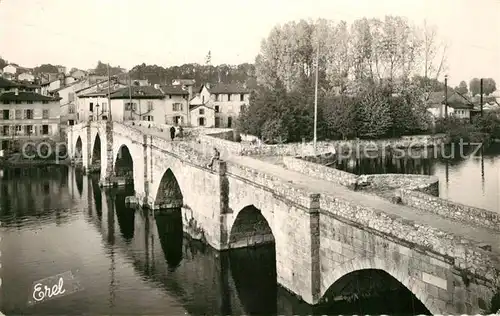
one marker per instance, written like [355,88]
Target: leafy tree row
[277,115]
[489,86]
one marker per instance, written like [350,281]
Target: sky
[77,33]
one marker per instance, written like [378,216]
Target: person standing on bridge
[172,133]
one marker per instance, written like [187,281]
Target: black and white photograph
[238,157]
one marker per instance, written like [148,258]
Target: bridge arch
[169,194]
[96,157]
[250,228]
[342,272]
[124,164]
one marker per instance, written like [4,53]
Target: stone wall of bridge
[449,274]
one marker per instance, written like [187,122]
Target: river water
[471,178]
[127,261]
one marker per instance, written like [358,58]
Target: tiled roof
[174,90]
[102,91]
[4,83]
[25,96]
[144,92]
[195,106]
[228,88]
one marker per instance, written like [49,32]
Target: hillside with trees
[243,73]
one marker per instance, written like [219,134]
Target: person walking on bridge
[172,133]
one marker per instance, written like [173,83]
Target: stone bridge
[326,238]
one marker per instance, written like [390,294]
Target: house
[10,69]
[458,105]
[61,69]
[177,104]
[226,100]
[62,80]
[26,76]
[145,103]
[92,102]
[26,116]
[78,74]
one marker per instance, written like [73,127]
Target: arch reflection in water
[95,160]
[124,214]
[254,269]
[96,190]
[254,274]
[371,292]
[79,181]
[170,233]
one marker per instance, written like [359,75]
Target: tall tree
[434,55]
[489,85]
[3,63]
[475,86]
[374,115]
[208,58]
[462,88]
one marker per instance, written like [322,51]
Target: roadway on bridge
[481,235]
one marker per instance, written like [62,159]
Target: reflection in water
[79,180]
[254,271]
[468,175]
[169,226]
[135,264]
[125,215]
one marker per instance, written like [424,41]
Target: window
[203,99]
[229,97]
[147,118]
[242,97]
[5,130]
[243,107]
[45,114]
[201,121]
[18,102]
[5,102]
[150,105]
[45,129]
[130,106]
[45,102]
[18,128]
[71,96]
[29,102]
[5,114]
[202,111]
[71,109]
[216,109]
[71,122]
[91,107]
[28,114]
[177,107]
[104,106]
[216,97]
[170,96]
[18,114]
[28,129]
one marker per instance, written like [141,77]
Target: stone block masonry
[318,239]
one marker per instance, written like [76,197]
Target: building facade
[26,116]
[176,103]
[227,100]
[134,103]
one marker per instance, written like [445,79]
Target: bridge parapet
[128,131]
[282,189]
[464,254]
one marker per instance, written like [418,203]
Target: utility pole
[316,102]
[109,93]
[481,95]
[446,96]
[130,95]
